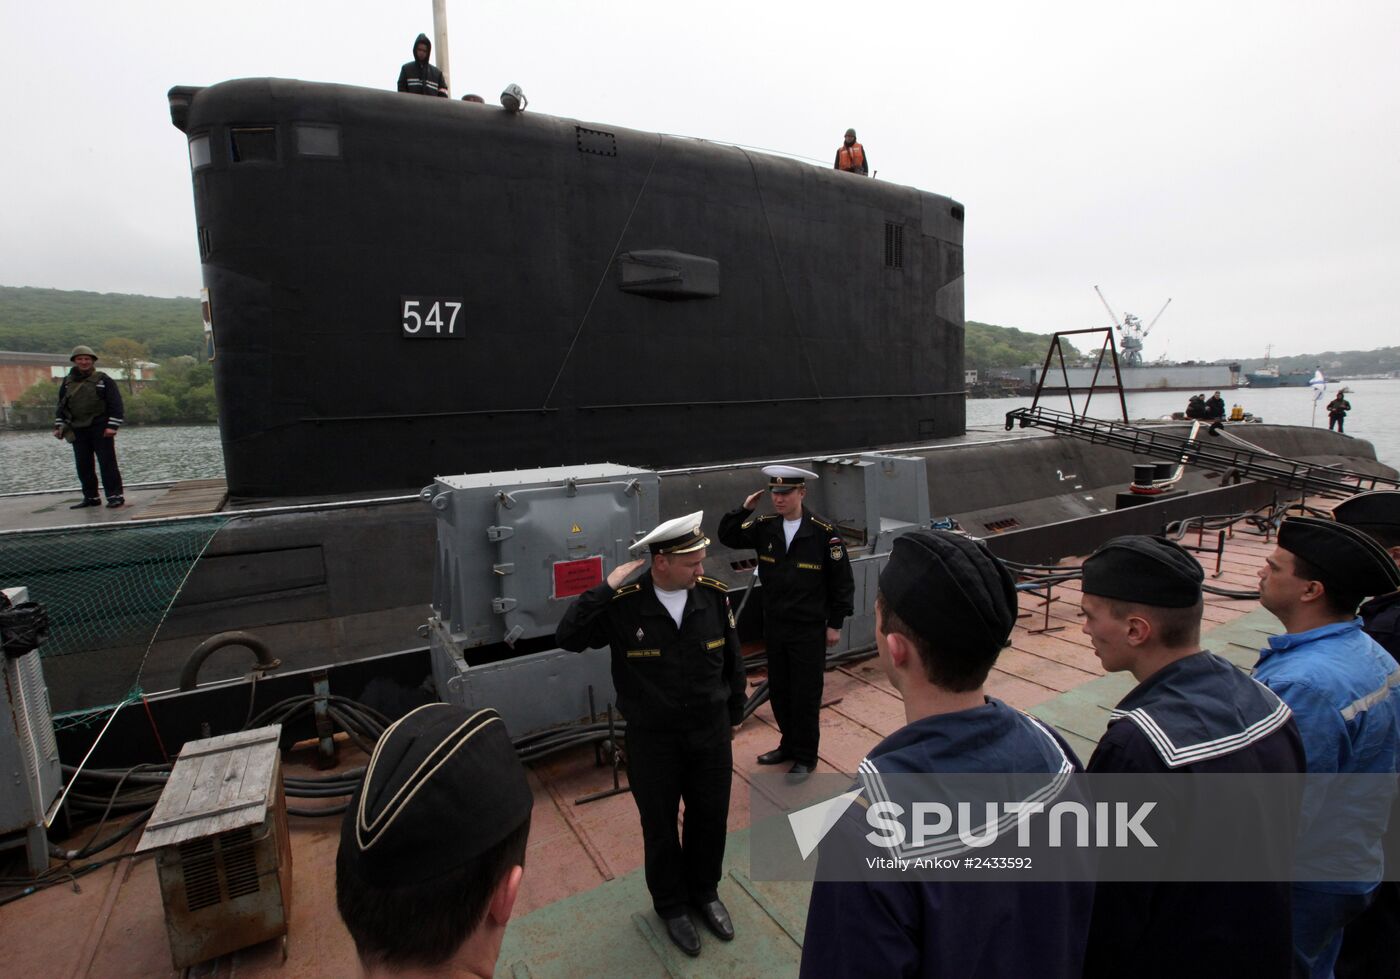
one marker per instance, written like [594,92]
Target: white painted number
[427,317]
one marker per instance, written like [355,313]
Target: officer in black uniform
[807,594]
[679,676]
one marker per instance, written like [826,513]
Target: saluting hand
[751,500]
[622,572]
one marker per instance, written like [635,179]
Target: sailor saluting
[807,595]
[680,684]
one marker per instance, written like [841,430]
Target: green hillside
[989,347]
[56,320]
[1378,361]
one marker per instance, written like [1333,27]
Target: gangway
[1250,463]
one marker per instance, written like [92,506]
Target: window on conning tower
[253,144]
[199,151]
[315,139]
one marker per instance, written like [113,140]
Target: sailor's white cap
[679,536]
[785,479]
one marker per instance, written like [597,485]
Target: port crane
[1131,332]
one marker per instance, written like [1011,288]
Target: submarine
[402,291]
[398,287]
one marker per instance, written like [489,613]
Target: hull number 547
[432,317]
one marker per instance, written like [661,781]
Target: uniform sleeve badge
[837,549]
[730,612]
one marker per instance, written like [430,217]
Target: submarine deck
[48,509]
[583,907]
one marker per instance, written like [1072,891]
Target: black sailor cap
[1145,571]
[1378,509]
[950,590]
[443,786]
[1349,562]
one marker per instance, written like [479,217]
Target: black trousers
[796,672]
[1371,942]
[89,442]
[665,769]
[1339,422]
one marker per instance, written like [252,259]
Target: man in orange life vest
[851,156]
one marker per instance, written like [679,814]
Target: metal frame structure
[1108,347]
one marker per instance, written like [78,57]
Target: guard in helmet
[89,414]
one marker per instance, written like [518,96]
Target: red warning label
[576,577]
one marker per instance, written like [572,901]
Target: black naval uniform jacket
[1199,715]
[667,678]
[806,586]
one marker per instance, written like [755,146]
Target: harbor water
[37,461]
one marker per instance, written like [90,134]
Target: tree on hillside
[38,394]
[126,354]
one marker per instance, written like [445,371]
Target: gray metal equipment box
[513,550]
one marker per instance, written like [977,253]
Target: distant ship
[1269,376]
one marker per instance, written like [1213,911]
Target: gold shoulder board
[627,590]
[714,583]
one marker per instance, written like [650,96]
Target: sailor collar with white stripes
[1199,708]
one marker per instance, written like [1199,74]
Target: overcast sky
[1241,158]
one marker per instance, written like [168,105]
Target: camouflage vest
[85,398]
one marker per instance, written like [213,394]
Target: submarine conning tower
[401,286]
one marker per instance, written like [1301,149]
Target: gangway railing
[1249,463]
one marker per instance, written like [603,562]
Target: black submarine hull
[401,286]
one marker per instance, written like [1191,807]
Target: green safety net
[107,590]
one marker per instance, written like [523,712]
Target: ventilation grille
[894,245]
[204,246]
[36,702]
[199,867]
[219,868]
[595,141]
[1004,524]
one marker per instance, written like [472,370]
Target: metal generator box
[224,859]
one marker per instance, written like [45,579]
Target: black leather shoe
[716,917]
[84,504]
[799,772]
[775,757]
[116,501]
[683,933]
